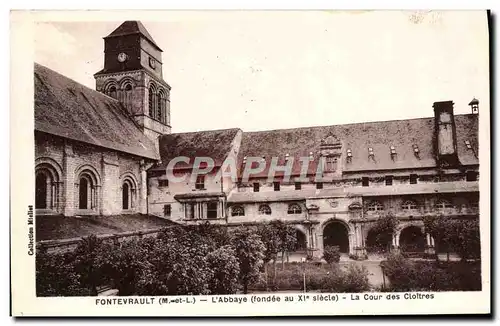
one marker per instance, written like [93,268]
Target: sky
[273,70]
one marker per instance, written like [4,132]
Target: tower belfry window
[152,102]
[112,91]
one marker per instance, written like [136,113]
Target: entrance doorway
[336,234]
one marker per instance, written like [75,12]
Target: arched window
[83,193]
[128,194]
[152,101]
[128,88]
[125,196]
[264,210]
[294,209]
[87,189]
[409,205]
[41,190]
[112,91]
[47,185]
[161,106]
[375,206]
[444,204]
[237,211]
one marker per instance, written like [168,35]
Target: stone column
[430,244]
[351,237]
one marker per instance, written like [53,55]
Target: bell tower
[133,75]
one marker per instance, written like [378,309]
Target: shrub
[407,275]
[55,275]
[331,254]
[355,279]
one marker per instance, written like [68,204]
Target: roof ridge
[346,124]
[201,131]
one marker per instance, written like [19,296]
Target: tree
[226,269]
[249,250]
[176,264]
[439,227]
[460,234]
[271,240]
[382,232]
[287,238]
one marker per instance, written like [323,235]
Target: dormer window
[349,156]
[416,151]
[370,152]
[287,157]
[245,160]
[467,144]
[393,152]
[200,182]
[331,163]
[311,156]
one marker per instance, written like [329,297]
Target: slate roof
[54,227]
[131,27]
[402,189]
[212,143]
[402,134]
[68,109]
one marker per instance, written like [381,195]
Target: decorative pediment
[331,146]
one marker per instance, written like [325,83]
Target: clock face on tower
[152,63]
[122,57]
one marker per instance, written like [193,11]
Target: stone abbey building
[105,153]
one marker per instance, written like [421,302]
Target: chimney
[445,140]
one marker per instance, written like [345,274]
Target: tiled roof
[131,27]
[212,143]
[402,134]
[68,109]
[403,189]
[52,227]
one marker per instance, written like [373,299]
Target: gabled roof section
[68,109]
[215,144]
[131,27]
[358,138]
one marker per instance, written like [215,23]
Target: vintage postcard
[250,163]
